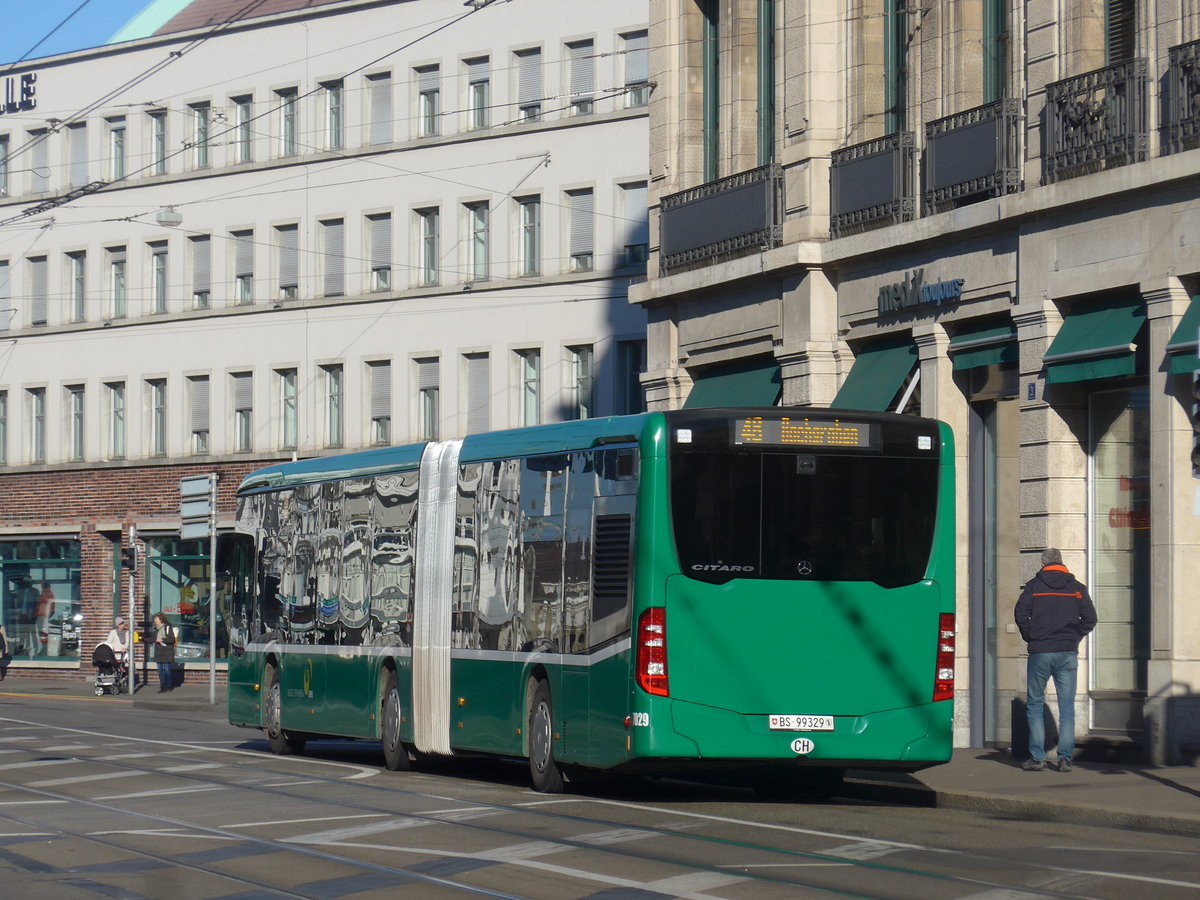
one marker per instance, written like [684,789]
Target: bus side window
[616,472]
[543,483]
[235,574]
[466,556]
[577,553]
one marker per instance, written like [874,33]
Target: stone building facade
[982,211]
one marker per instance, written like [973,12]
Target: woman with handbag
[164,651]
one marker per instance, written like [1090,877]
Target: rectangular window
[158,142]
[287,242]
[243,134]
[39,161]
[243,267]
[198,390]
[381,401]
[116,420]
[635,224]
[637,68]
[632,361]
[529,253]
[117,286]
[6,308]
[428,250]
[77,278]
[429,100]
[529,365]
[710,76]
[582,58]
[157,397]
[529,84]
[37,425]
[116,148]
[379,97]
[1120,31]
[895,66]
[479,76]
[288,112]
[428,396]
[287,409]
[995,50]
[201,119]
[379,235]
[334,415]
[38,290]
[479,392]
[334,114]
[3,428]
[77,142]
[201,270]
[3,165]
[581,206]
[582,373]
[333,256]
[75,423]
[158,276]
[478,216]
[243,410]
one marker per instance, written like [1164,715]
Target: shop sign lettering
[913,291]
[19,93]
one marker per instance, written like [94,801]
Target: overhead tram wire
[175,55]
[49,34]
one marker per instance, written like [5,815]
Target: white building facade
[331,227]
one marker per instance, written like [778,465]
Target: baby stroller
[112,675]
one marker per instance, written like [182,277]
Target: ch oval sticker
[803,746]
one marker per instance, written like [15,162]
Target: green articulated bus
[760,593]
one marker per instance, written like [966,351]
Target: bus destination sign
[788,431]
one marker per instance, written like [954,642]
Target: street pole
[132,620]
[212,589]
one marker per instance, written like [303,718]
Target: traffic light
[129,558]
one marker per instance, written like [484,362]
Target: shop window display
[39,598]
[177,585]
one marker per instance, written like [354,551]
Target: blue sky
[28,21]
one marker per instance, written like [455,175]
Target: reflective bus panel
[754,593]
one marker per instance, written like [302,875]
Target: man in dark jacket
[1054,614]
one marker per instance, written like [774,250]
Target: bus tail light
[652,651]
[943,676]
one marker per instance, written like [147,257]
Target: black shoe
[1064,765]
[163,688]
[1033,765]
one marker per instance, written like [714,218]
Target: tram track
[551,820]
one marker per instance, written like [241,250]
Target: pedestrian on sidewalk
[1054,614]
[164,652]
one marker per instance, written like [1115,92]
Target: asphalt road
[99,799]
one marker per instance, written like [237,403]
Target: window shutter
[199,404]
[244,255]
[381,390]
[4,295]
[381,241]
[479,70]
[201,264]
[637,226]
[428,374]
[335,257]
[289,256]
[79,154]
[116,255]
[38,272]
[243,391]
[428,78]
[381,108]
[581,203]
[637,63]
[583,67]
[529,89]
[479,393]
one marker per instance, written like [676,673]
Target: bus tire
[545,773]
[395,754]
[280,742]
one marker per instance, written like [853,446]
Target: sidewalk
[1135,796]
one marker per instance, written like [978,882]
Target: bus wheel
[395,754]
[546,775]
[278,740]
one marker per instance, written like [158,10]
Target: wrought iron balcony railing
[1183,98]
[871,184]
[972,155]
[728,217]
[1096,121]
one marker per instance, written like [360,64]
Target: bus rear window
[802,516]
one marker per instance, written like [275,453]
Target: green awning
[1181,350]
[1095,341]
[750,382]
[876,376]
[983,346]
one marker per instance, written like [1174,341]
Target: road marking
[271,822]
[29,802]
[692,882]
[615,836]
[80,779]
[32,763]
[334,835]
[192,767]
[862,850]
[163,793]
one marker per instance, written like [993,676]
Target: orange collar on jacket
[1056,568]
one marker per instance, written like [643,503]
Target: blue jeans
[1063,667]
[164,674]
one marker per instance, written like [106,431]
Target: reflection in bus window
[394,511]
[499,556]
[543,480]
[466,559]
